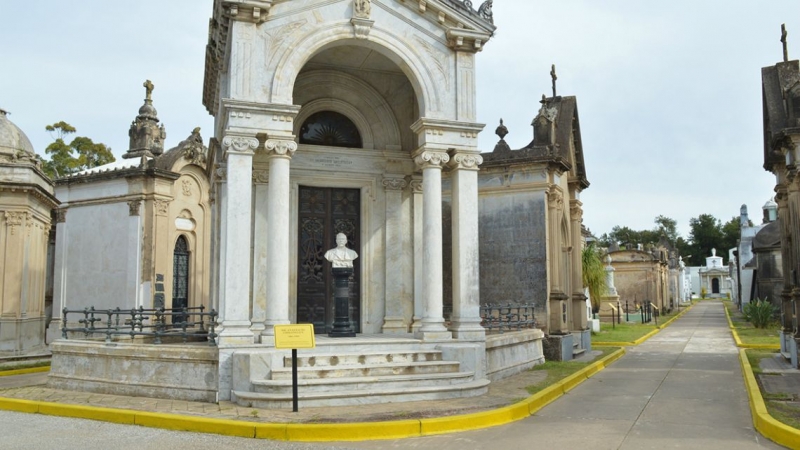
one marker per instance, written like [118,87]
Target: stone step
[363,358]
[378,394]
[578,352]
[284,386]
[366,370]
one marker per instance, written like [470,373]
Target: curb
[646,336]
[8,373]
[739,342]
[319,432]
[762,421]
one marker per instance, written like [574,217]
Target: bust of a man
[341,256]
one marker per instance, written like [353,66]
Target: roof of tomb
[556,128]
[14,144]
[780,89]
[769,237]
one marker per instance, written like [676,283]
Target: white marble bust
[341,256]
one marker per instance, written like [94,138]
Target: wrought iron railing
[182,323]
[499,319]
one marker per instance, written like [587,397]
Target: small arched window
[180,279]
[330,128]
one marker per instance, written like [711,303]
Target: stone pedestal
[341,305]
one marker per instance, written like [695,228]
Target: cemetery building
[26,199]
[780,86]
[642,276]
[353,117]
[715,277]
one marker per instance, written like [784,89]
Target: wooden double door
[322,214]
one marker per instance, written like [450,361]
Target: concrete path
[683,388]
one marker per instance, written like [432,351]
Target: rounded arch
[381,130]
[295,57]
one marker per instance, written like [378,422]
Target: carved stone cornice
[416,185]
[15,219]
[280,147]
[394,183]
[162,207]
[465,161]
[253,11]
[133,207]
[260,176]
[431,159]
[239,144]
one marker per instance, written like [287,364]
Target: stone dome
[13,140]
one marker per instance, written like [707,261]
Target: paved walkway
[682,388]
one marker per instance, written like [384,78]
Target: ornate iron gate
[180,279]
[323,213]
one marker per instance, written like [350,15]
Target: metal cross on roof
[785,44]
[554,77]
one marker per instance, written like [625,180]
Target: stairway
[353,376]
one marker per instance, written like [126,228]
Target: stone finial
[146,135]
[554,77]
[148,88]
[501,130]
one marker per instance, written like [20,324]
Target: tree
[631,238]
[667,227]
[80,154]
[594,274]
[705,233]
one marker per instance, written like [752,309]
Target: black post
[341,303]
[294,380]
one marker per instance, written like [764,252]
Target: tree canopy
[705,233]
[80,154]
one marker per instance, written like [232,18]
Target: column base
[416,325]
[232,335]
[394,325]
[433,331]
[467,331]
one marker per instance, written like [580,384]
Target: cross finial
[148,86]
[785,45]
[554,77]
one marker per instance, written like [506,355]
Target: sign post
[292,337]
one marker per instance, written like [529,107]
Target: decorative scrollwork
[394,184]
[133,207]
[466,161]
[429,159]
[281,147]
[239,143]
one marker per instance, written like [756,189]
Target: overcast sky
[669,92]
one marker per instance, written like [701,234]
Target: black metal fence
[178,323]
[499,319]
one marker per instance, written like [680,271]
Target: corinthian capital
[428,159]
[239,144]
[466,161]
[280,147]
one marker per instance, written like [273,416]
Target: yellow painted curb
[319,432]
[8,373]
[738,340]
[765,424]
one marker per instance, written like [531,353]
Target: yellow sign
[299,335]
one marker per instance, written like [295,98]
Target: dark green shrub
[760,313]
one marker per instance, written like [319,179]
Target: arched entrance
[715,285]
[180,279]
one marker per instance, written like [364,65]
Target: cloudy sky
[668,91]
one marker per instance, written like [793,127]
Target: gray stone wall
[513,252]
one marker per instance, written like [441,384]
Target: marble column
[465,322]
[431,163]
[60,262]
[260,274]
[394,322]
[238,216]
[419,303]
[579,317]
[280,153]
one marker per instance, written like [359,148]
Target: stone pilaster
[579,316]
[431,163]
[465,322]
[280,153]
[238,188]
[419,303]
[60,261]
[260,234]
[394,322]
